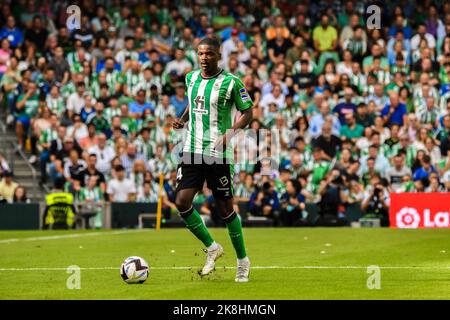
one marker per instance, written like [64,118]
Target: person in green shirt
[376,52]
[325,40]
[351,129]
[128,123]
[98,119]
[26,108]
[223,20]
[91,197]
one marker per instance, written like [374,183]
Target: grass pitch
[300,263]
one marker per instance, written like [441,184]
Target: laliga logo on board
[410,218]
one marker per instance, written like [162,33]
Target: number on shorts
[179,174]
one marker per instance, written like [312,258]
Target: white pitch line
[72,235]
[228,267]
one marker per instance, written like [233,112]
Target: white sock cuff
[213,246]
[183,212]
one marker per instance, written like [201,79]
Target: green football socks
[236,235]
[195,224]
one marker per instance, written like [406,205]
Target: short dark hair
[119,167]
[213,42]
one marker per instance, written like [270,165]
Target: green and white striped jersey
[56,105]
[213,103]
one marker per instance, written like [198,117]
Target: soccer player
[214,96]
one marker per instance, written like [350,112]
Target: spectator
[27,107]
[327,142]
[397,172]
[61,66]
[325,39]
[104,153]
[121,189]
[376,202]
[12,33]
[20,195]
[318,120]
[425,170]
[330,191]
[351,130]
[138,106]
[73,168]
[293,205]
[7,186]
[92,171]
[91,197]
[394,112]
[76,101]
[130,157]
[264,202]
[346,106]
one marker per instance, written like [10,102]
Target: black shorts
[194,170]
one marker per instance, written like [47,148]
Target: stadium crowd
[358,112]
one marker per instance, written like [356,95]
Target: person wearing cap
[230,45]
[7,186]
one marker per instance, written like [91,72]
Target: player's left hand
[177,124]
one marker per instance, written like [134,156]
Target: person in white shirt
[121,189]
[396,173]
[276,96]
[180,65]
[422,34]
[229,46]
[104,154]
[75,102]
[127,52]
[78,130]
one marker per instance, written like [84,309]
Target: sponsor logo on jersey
[201,111]
[244,95]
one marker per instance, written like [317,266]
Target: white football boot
[243,269]
[211,257]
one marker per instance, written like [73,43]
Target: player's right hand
[178,124]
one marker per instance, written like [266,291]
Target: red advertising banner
[420,210]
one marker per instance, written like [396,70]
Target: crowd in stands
[360,112]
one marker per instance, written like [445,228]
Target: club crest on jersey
[216,86]
[244,94]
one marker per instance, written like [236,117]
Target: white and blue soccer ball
[134,270]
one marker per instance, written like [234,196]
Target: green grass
[424,256]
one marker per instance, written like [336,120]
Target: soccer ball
[134,270]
